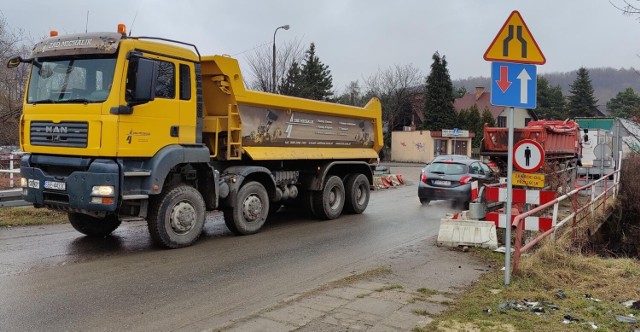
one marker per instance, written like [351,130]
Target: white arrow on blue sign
[513,84]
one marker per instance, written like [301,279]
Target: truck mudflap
[73,191]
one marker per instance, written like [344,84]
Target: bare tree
[352,95]
[260,64]
[12,81]
[626,6]
[394,86]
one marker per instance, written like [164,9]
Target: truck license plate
[442,182]
[55,185]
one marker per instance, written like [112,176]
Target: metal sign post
[515,54]
[507,236]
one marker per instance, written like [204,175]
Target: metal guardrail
[12,198]
[518,222]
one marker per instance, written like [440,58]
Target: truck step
[132,197]
[137,173]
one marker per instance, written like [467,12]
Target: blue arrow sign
[513,84]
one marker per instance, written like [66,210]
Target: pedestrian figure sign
[528,155]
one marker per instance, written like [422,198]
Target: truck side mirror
[14,61]
[141,80]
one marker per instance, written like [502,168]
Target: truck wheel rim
[252,208]
[183,218]
[360,195]
[334,198]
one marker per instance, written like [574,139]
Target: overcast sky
[356,37]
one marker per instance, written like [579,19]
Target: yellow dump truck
[118,128]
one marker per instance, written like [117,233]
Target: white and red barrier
[537,197]
[538,224]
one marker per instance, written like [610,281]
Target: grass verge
[25,216]
[594,288]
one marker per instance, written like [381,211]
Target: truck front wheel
[328,203]
[93,226]
[176,217]
[251,209]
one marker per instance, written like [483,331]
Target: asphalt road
[52,278]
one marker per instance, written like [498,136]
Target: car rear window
[448,168]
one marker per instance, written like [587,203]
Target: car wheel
[424,201]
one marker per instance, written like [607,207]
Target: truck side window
[185,82]
[166,85]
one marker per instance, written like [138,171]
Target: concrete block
[475,233]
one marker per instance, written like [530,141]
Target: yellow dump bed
[264,126]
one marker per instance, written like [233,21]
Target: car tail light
[465,179]
[423,177]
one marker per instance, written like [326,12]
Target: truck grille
[68,134]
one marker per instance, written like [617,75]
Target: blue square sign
[513,84]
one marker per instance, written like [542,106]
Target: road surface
[53,278]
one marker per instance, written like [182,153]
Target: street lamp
[273,64]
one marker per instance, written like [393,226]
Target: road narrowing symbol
[515,43]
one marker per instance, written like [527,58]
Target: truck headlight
[23,182]
[102,191]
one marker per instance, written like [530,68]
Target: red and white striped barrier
[538,197]
[474,190]
[538,224]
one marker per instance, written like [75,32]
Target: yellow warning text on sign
[515,43]
[527,179]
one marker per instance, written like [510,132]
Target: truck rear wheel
[176,217]
[357,191]
[306,200]
[328,203]
[251,209]
[93,226]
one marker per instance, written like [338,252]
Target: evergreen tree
[316,77]
[487,118]
[625,104]
[550,101]
[581,101]
[474,124]
[311,80]
[462,119]
[459,92]
[291,84]
[438,99]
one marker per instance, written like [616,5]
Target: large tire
[357,193]
[328,203]
[251,209]
[93,226]
[176,217]
[306,198]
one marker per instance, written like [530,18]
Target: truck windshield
[74,80]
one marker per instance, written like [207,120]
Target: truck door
[155,124]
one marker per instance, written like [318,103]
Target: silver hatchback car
[451,180]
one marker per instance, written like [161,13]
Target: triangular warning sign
[515,43]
